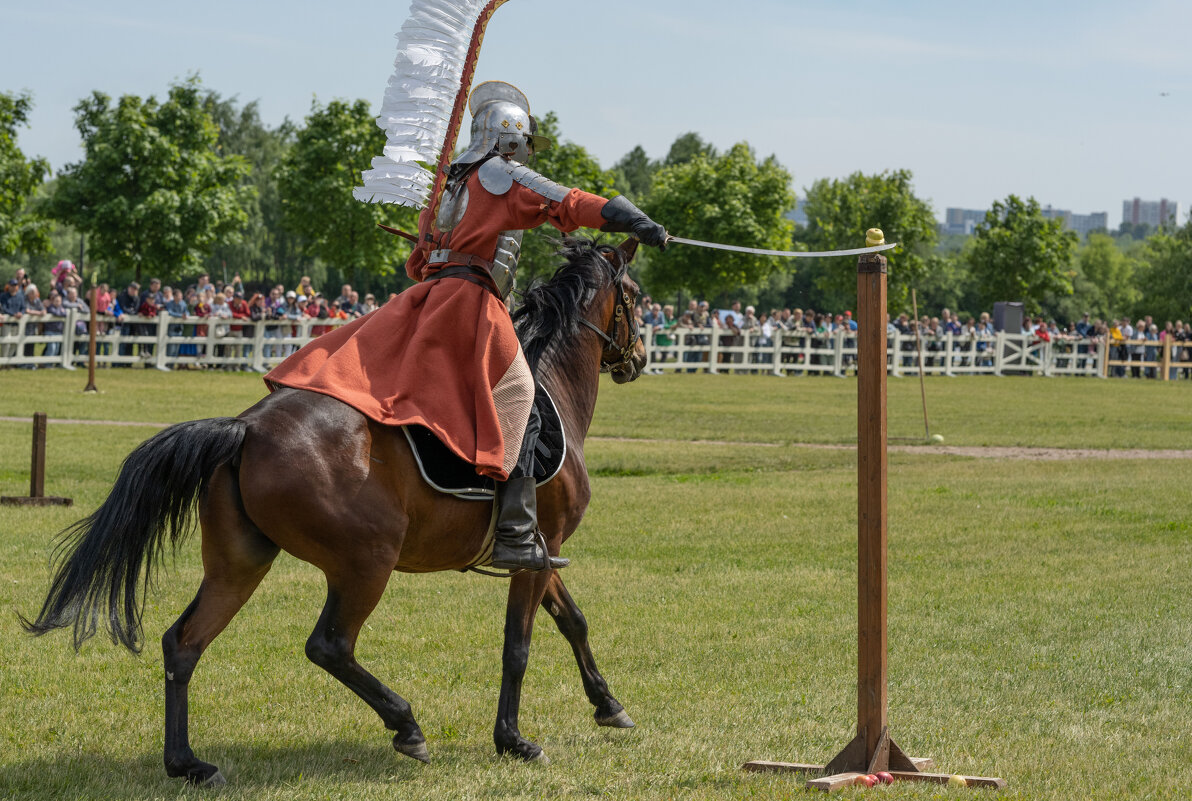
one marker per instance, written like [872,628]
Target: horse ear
[628,249]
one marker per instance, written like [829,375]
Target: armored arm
[625,217]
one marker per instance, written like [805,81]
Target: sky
[1081,105]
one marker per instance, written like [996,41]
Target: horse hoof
[413,750]
[617,721]
[540,758]
[214,780]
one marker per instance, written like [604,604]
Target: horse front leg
[574,626]
[525,594]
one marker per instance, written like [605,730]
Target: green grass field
[1039,624]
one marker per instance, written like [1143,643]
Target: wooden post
[37,472]
[872,749]
[871,500]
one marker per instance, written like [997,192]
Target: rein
[621,316]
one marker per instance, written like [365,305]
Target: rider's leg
[517,544]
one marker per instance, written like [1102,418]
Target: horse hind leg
[574,627]
[332,646]
[236,556]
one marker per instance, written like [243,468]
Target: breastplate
[505,261]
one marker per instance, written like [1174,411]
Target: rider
[470,384]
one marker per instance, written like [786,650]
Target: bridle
[621,317]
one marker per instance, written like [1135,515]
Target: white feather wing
[432,47]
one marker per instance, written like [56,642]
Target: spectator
[304,289]
[72,302]
[370,304]
[36,311]
[57,326]
[13,303]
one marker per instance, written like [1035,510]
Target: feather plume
[434,46]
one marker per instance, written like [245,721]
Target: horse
[572,327]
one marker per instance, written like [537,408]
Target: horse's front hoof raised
[414,750]
[620,720]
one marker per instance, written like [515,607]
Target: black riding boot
[517,543]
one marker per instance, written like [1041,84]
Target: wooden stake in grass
[873,749]
[919,348]
[37,472]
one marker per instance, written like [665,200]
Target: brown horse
[571,327]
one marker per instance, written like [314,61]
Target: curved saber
[793,254]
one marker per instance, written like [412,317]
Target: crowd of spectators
[1128,343]
[202,300]
[217,302]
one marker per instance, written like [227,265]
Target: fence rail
[797,353]
[178,342]
[163,342]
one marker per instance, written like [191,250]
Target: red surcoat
[443,354]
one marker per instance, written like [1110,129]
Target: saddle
[447,473]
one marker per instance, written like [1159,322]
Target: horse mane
[550,310]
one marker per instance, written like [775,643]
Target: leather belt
[468,273]
[445,256]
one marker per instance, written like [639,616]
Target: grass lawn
[1039,624]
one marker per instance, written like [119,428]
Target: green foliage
[263,250]
[840,212]
[571,165]
[153,192]
[315,181]
[635,173]
[733,199]
[1018,254]
[21,228]
[688,147]
[1104,284]
[1166,278]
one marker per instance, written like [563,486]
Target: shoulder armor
[498,174]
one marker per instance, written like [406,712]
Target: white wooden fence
[716,350]
[163,342]
[178,342]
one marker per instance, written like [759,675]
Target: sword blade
[791,254]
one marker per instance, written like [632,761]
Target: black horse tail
[97,563]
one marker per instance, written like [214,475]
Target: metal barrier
[163,342]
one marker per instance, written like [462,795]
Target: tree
[1018,254]
[686,148]
[1104,284]
[635,174]
[839,212]
[315,181]
[263,250]
[21,229]
[1166,277]
[733,199]
[153,190]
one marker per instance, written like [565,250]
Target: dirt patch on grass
[974,452]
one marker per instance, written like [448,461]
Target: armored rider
[489,200]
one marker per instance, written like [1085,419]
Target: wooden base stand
[872,750]
[37,473]
[850,764]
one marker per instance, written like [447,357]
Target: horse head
[624,354]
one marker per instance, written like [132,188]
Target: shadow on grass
[248,768]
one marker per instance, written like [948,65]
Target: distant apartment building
[1082,224]
[1151,212]
[962,221]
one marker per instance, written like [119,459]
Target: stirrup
[539,541]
